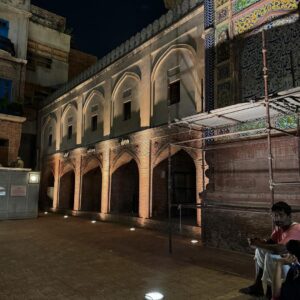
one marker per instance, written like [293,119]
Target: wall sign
[18,191]
[2,191]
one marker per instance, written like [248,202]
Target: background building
[35,60]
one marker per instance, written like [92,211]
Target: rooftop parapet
[47,18]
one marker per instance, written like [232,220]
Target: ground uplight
[154,296]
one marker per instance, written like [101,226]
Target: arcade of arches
[129,180]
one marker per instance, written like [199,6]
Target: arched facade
[93,117]
[69,126]
[174,83]
[91,185]
[126,98]
[108,159]
[49,135]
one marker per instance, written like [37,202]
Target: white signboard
[18,191]
[2,191]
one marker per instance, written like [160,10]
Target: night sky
[99,26]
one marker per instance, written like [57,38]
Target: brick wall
[238,174]
[10,129]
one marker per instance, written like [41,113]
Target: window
[94,123]
[50,140]
[174,92]
[35,60]
[127,110]
[4,25]
[70,131]
[5,90]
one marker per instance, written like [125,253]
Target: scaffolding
[231,118]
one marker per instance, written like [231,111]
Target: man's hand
[287,259]
[256,242]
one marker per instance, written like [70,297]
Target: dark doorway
[66,191]
[125,190]
[4,152]
[47,191]
[91,190]
[183,188]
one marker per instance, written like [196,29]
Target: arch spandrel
[90,163]
[123,158]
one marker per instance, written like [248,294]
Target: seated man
[290,288]
[268,251]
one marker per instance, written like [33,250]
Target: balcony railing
[7,45]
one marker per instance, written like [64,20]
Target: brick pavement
[56,258]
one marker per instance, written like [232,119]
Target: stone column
[58,130]
[78,178]
[107,117]
[57,163]
[144,179]
[105,193]
[79,120]
[199,185]
[145,92]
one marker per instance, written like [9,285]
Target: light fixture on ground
[66,216]
[194,241]
[154,296]
[93,221]
[132,229]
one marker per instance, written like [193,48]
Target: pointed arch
[70,108]
[92,163]
[123,158]
[51,119]
[122,80]
[163,154]
[90,97]
[179,47]
[67,108]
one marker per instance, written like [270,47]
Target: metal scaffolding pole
[269,127]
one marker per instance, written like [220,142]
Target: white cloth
[267,261]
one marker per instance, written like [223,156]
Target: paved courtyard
[56,258]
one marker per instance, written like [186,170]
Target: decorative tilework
[208,13]
[283,58]
[259,15]
[239,5]
[283,122]
[224,94]
[221,34]
[222,15]
[223,52]
[223,72]
[220,2]
[209,71]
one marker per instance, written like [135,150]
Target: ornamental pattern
[283,58]
[220,2]
[283,122]
[239,5]
[258,15]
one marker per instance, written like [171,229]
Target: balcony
[7,45]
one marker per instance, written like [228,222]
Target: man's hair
[282,206]
[293,247]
